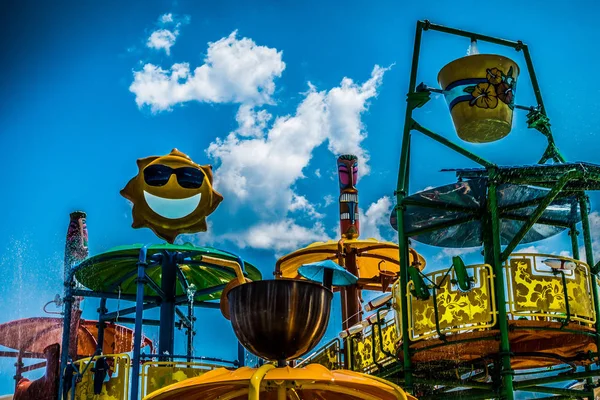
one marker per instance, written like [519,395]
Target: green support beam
[524,385]
[549,198]
[573,393]
[517,45]
[440,139]
[493,257]
[560,186]
[589,257]
[401,192]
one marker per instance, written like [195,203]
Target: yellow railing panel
[327,356]
[363,346]
[536,292]
[117,386]
[158,374]
[457,311]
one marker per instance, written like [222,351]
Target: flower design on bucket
[494,75]
[505,93]
[499,86]
[484,96]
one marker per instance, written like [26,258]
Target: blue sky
[283,87]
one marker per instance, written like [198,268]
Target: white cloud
[449,253]
[234,71]
[318,172]
[258,164]
[251,122]
[162,39]
[166,18]
[300,203]
[346,104]
[533,249]
[376,218]
[165,37]
[594,218]
[284,235]
[261,169]
[328,200]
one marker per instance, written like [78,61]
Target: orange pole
[353,308]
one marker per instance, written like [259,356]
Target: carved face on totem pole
[348,174]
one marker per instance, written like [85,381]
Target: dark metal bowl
[279,319]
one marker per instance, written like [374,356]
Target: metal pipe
[172,357]
[401,193]
[33,366]
[183,298]
[24,355]
[549,198]
[451,145]
[150,322]
[523,385]
[201,304]
[241,351]
[354,310]
[101,325]
[184,318]
[68,309]
[573,232]
[126,311]
[567,305]
[493,257]
[190,330]
[281,392]
[137,334]
[167,307]
[566,392]
[256,379]
[236,266]
[112,295]
[19,368]
[150,282]
[540,101]
[589,257]
[472,35]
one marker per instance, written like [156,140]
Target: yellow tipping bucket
[479,90]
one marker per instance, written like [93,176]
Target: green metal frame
[558,179]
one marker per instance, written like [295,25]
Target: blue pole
[68,306]
[241,355]
[137,334]
[168,282]
[101,325]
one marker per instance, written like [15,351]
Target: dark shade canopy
[456,209]
[117,267]
[544,175]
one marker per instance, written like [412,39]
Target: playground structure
[480,331]
[486,328]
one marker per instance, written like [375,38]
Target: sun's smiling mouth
[172,208]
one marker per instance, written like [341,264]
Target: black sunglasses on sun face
[187,177]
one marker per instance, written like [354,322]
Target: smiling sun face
[171,195]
